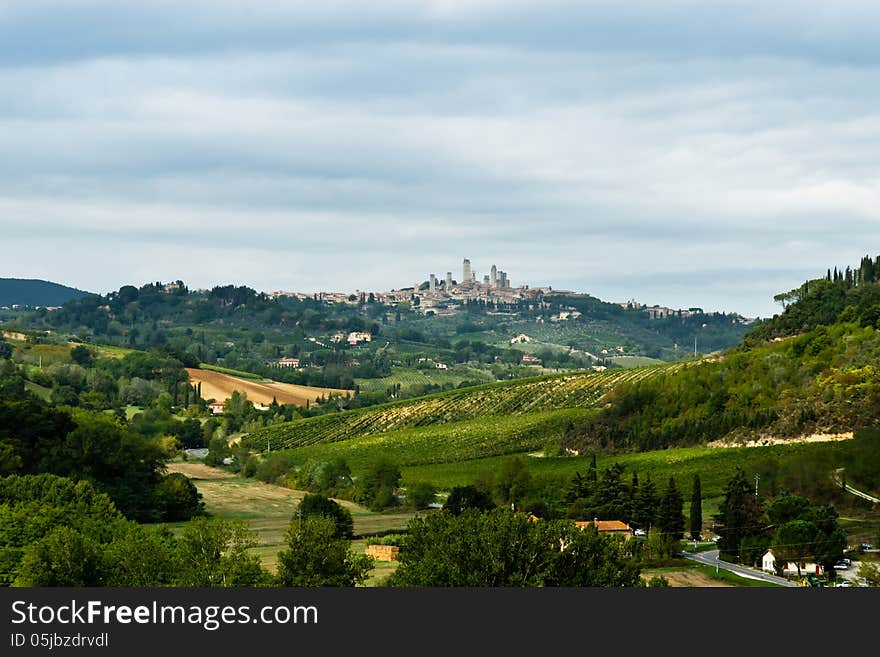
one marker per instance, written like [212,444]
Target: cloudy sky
[679,152]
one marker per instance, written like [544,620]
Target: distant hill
[33,292]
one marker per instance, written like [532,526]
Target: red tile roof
[605,525]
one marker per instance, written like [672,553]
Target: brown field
[686,578]
[219,386]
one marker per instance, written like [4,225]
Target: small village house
[768,564]
[608,527]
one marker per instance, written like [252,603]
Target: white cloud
[334,148]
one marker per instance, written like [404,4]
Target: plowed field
[220,387]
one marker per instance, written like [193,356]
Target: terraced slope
[538,394]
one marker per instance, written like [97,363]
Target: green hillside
[521,396]
[32,292]
[811,369]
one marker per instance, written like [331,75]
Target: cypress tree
[696,509]
[645,507]
[670,516]
[592,474]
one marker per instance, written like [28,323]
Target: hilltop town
[445,296]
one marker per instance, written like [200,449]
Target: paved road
[849,489]
[710,558]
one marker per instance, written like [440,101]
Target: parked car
[840,565]
[639,532]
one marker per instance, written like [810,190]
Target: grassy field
[41,354]
[105,351]
[517,397]
[269,510]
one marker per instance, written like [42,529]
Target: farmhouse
[216,408]
[521,339]
[441,366]
[610,527]
[355,338]
[531,360]
[288,362]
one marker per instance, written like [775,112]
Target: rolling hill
[33,292]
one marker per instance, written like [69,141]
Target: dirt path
[766,441]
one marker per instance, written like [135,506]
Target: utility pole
[757,478]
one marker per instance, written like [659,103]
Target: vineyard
[445,443]
[521,396]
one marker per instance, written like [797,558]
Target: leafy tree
[316,556]
[740,516]
[501,549]
[189,433]
[141,556]
[218,450]
[511,482]
[328,477]
[320,506]
[793,541]
[462,498]
[696,516]
[5,350]
[177,498]
[376,488]
[82,355]
[421,494]
[214,553]
[63,557]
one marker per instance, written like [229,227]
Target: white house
[768,564]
